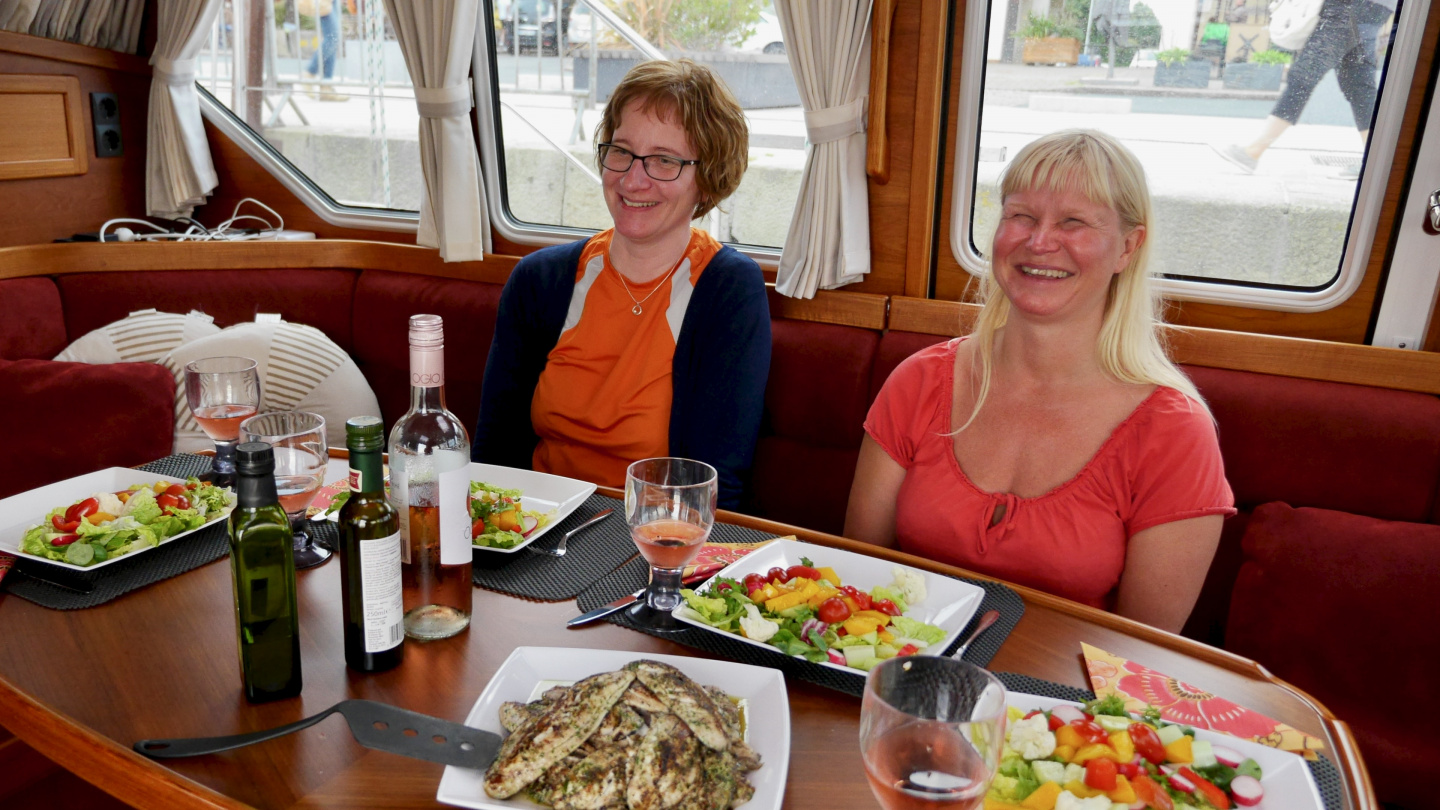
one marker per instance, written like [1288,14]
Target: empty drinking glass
[301,456]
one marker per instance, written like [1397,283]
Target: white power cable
[195,232]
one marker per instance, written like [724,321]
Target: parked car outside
[537,20]
[768,38]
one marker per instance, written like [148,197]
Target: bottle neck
[255,491]
[366,474]
[427,399]
[427,379]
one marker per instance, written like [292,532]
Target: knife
[375,725]
[602,612]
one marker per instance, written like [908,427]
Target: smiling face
[647,211]
[1056,252]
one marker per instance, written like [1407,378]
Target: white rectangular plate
[542,493]
[763,689]
[1287,780]
[949,603]
[19,513]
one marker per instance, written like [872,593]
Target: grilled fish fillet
[597,782]
[638,697]
[620,722]
[515,715]
[667,766]
[687,700]
[728,712]
[529,752]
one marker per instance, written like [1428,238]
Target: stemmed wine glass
[931,730]
[222,392]
[301,456]
[670,507]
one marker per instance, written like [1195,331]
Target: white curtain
[438,40]
[111,24]
[178,170]
[828,43]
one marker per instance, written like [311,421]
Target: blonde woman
[648,339]
[1057,446]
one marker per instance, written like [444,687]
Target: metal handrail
[630,34]
[562,150]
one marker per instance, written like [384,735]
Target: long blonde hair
[1130,346]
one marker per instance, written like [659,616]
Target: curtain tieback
[834,123]
[443,102]
[175,72]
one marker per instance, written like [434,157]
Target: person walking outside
[329,48]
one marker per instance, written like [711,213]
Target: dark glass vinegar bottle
[262,562]
[370,585]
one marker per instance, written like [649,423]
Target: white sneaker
[1236,155]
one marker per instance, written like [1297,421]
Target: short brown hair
[712,119]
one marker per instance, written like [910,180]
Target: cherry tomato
[167,501]
[1130,770]
[885,606]
[862,599]
[477,528]
[63,525]
[192,486]
[1206,788]
[64,540]
[176,489]
[833,611]
[908,649]
[802,571]
[89,506]
[1152,794]
[184,501]
[777,574]
[724,586]
[1100,773]
[1147,742]
[754,582]
[1091,732]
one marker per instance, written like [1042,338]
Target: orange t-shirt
[603,400]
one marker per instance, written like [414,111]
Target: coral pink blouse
[1161,464]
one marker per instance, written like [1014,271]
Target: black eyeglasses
[661,167]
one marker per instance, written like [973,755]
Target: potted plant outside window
[1048,42]
[1263,72]
[1175,68]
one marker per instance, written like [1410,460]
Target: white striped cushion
[141,337]
[300,370]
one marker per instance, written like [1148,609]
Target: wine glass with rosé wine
[931,730]
[301,456]
[670,507]
[222,392]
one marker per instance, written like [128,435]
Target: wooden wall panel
[51,143]
[1347,322]
[42,209]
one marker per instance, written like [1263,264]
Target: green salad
[498,520]
[110,524]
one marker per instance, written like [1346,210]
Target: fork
[559,551]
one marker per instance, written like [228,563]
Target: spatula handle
[195,746]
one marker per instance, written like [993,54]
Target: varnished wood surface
[877,141]
[81,686]
[52,141]
[56,50]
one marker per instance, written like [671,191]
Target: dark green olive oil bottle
[262,561]
[370,584]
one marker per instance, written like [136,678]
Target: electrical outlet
[105,110]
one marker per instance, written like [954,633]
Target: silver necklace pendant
[636,309]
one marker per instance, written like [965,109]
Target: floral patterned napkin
[1179,702]
[715,556]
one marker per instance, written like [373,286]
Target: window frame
[1369,200]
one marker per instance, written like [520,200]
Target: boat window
[552,66]
[1253,135]
[321,85]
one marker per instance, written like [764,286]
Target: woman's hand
[870,515]
[1165,567]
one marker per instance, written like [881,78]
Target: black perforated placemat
[589,556]
[1327,778]
[139,569]
[634,574]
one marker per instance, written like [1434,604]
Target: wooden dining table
[82,686]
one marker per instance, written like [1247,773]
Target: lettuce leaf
[910,628]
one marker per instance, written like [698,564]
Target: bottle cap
[254,458]
[364,434]
[427,331]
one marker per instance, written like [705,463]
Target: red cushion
[68,419]
[1344,607]
[801,484]
[384,303]
[1352,448]
[34,324]
[819,386]
[319,298]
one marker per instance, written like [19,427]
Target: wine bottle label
[381,593]
[454,516]
[427,367]
[400,502]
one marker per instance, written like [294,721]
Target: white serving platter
[19,513]
[1287,780]
[763,690]
[949,603]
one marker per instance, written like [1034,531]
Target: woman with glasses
[649,339]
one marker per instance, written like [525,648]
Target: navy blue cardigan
[722,360]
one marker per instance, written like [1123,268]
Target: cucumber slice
[1169,734]
[80,554]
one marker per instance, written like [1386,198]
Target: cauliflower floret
[758,628]
[910,584]
[1032,738]
[1069,801]
[109,503]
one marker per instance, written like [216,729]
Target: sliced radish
[1067,714]
[1246,790]
[1181,784]
[1227,756]
[528,525]
[835,656]
[1138,805]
